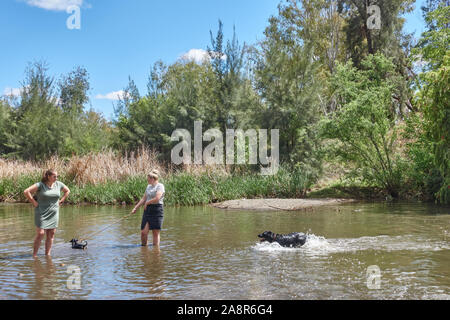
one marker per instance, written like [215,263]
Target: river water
[354,251]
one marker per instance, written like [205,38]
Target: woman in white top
[153,216]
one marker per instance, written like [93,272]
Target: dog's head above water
[267,236]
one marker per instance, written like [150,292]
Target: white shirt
[150,192]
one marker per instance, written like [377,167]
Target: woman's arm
[28,191]
[139,204]
[155,199]
[66,192]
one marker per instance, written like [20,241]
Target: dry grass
[93,168]
[109,165]
[13,168]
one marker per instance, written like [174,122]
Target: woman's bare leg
[156,237]
[37,240]
[144,234]
[50,235]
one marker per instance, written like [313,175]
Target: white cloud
[15,92]
[54,5]
[115,95]
[199,56]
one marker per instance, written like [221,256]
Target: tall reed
[109,177]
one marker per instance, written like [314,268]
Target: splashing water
[320,245]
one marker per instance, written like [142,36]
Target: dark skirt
[154,216]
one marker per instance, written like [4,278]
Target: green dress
[46,215]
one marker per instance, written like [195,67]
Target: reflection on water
[207,253]
[43,274]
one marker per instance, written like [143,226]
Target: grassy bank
[111,178]
[182,188]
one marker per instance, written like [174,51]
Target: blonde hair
[154,174]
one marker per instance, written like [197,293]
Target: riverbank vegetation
[373,103]
[112,178]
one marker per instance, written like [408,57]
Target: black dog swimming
[79,245]
[295,239]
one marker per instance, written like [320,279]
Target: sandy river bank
[277,204]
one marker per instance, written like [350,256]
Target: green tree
[73,90]
[49,118]
[363,125]
[90,133]
[130,95]
[37,128]
[5,126]
[363,39]
[290,90]
[178,95]
[231,88]
[84,131]
[434,96]
[319,23]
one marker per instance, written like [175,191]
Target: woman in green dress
[46,208]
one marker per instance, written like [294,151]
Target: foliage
[5,124]
[363,124]
[49,119]
[183,188]
[287,82]
[433,96]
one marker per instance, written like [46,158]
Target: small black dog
[295,239]
[82,245]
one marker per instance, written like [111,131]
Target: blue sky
[121,38]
